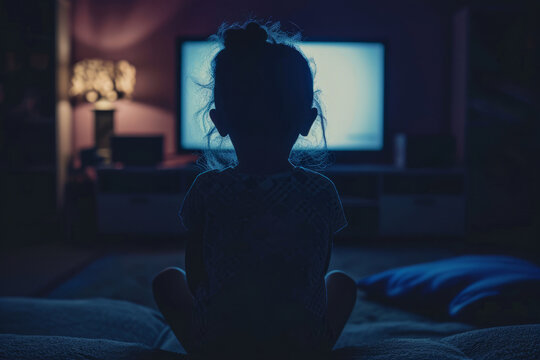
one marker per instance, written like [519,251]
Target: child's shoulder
[208,173]
[212,177]
[301,174]
[316,177]
[206,176]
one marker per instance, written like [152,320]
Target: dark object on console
[90,157]
[137,150]
[427,151]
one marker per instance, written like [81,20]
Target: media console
[379,201]
[384,201]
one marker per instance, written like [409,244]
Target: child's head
[263,94]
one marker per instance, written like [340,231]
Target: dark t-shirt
[264,240]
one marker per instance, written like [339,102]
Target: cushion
[497,343]
[119,321]
[482,289]
[30,347]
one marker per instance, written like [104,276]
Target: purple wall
[144,31]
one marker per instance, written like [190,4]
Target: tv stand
[379,201]
[385,201]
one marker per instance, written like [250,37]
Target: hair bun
[256,33]
[253,35]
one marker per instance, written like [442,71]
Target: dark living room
[145,213]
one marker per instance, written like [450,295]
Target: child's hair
[262,63]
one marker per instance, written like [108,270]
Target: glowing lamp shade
[102,81]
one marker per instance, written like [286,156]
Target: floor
[36,270]
[124,272]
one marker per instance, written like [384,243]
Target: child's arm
[195,271]
[329,255]
[192,216]
[337,219]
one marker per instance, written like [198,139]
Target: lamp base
[104,129]
[105,154]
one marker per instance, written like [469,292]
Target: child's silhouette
[260,233]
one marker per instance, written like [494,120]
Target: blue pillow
[484,289]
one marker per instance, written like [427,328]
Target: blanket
[111,329]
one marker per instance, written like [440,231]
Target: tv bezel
[382,156]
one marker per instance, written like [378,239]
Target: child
[259,233]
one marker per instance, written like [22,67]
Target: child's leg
[341,294]
[175,301]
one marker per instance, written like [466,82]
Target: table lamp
[102,82]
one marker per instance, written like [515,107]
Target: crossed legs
[341,297]
[175,301]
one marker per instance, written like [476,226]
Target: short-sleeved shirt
[266,244]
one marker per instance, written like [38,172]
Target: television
[349,74]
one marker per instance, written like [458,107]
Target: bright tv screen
[349,75]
